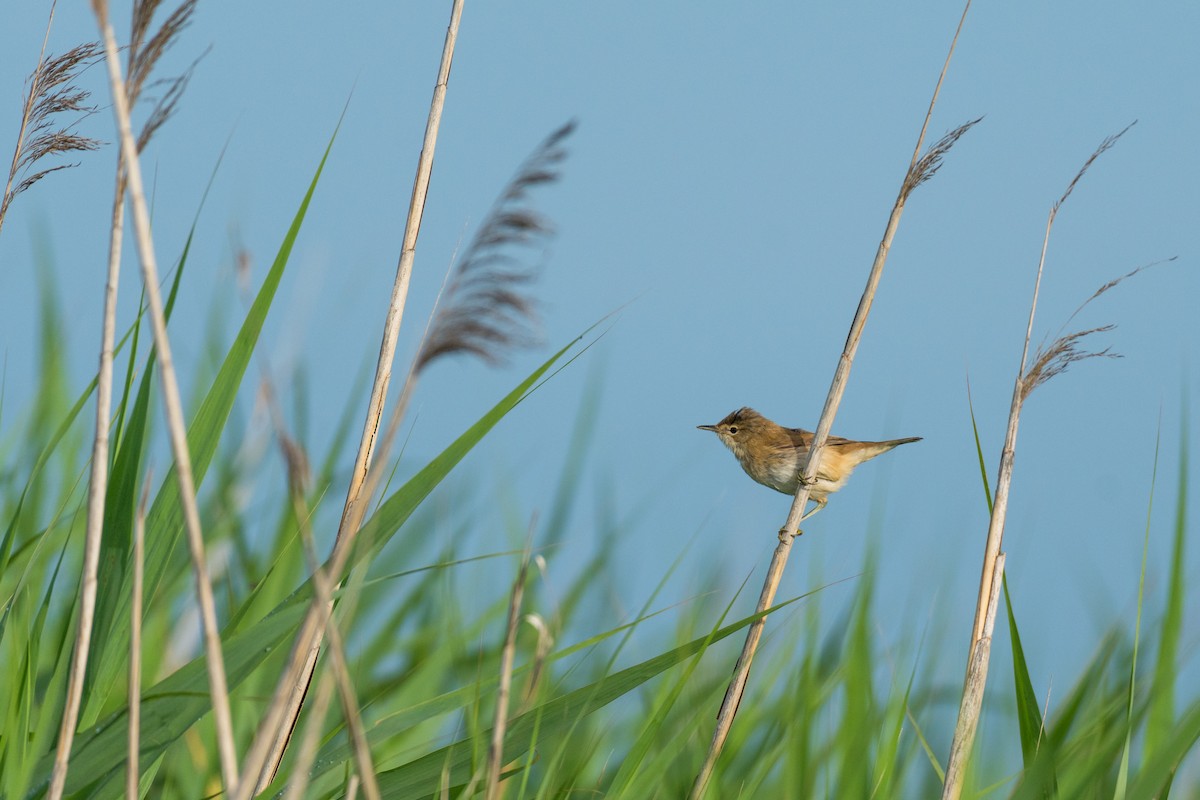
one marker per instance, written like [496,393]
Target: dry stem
[173,406]
[132,771]
[1048,362]
[972,699]
[296,680]
[312,739]
[297,465]
[920,169]
[97,490]
[98,484]
[500,724]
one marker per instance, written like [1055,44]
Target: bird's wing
[799,436]
[803,438]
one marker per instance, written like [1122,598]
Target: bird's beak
[712,428]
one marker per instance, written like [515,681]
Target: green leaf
[1162,692]
[987,489]
[551,720]
[119,506]
[12,530]
[1029,714]
[173,705]
[655,725]
[1123,773]
[1156,774]
[164,521]
[168,709]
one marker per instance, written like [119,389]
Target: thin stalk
[218,686]
[312,739]
[919,170]
[97,488]
[979,652]
[349,699]
[412,227]
[500,724]
[337,650]
[132,770]
[995,536]
[298,679]
[313,626]
[297,468]
[968,723]
[1049,361]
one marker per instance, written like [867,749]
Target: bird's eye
[733,428]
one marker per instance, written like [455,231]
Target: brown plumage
[773,455]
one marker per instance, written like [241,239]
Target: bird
[774,455]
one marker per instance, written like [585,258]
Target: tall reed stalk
[143,54]
[1047,362]
[274,734]
[920,169]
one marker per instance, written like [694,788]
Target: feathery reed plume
[1020,392]
[275,730]
[1049,361]
[484,311]
[144,54]
[1062,353]
[919,169]
[1054,358]
[1104,147]
[931,161]
[145,51]
[50,92]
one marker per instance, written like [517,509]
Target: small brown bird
[773,455]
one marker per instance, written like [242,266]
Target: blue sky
[729,181]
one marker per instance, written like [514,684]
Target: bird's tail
[872,449]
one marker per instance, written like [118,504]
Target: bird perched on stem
[774,455]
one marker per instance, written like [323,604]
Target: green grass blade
[175,704]
[46,706]
[119,504]
[654,726]
[1073,723]
[1123,773]
[1158,770]
[394,511]
[987,489]
[115,547]
[423,776]
[168,709]
[337,751]
[1029,714]
[164,522]
[1162,692]
[889,766]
